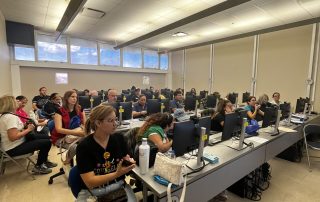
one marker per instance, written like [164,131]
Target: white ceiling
[129,19]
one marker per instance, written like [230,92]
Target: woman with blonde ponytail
[101,154]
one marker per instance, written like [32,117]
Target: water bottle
[144,153]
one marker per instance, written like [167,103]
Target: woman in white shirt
[14,137]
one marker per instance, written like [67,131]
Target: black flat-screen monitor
[205,122]
[19,33]
[245,97]
[232,97]
[166,104]
[84,102]
[231,126]
[80,93]
[127,110]
[127,97]
[301,103]
[185,137]
[96,100]
[115,105]
[285,110]
[190,103]
[153,106]
[270,116]
[211,101]
[203,94]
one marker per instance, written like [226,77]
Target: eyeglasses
[111,120]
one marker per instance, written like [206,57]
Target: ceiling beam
[74,7]
[248,34]
[197,16]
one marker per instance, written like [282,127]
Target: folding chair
[311,135]
[4,157]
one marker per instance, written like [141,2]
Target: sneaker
[50,164]
[41,169]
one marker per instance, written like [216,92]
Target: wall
[82,79]
[177,69]
[197,68]
[283,63]
[233,66]
[5,74]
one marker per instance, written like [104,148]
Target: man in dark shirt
[135,96]
[41,99]
[177,101]
[140,108]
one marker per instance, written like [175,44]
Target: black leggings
[33,144]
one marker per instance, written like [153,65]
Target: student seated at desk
[140,108]
[217,119]
[276,99]
[155,128]
[253,108]
[101,154]
[176,103]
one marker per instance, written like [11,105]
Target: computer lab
[159,100]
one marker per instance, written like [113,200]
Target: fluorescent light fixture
[179,34]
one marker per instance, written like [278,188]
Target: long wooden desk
[232,166]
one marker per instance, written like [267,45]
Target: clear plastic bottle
[144,153]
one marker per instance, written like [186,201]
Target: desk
[232,166]
[133,123]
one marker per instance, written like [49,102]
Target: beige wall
[232,66]
[317,92]
[32,78]
[197,68]
[5,74]
[177,69]
[283,63]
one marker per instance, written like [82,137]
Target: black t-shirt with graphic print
[92,157]
[40,100]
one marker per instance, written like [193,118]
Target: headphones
[168,120]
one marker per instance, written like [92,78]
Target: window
[151,59]
[83,52]
[164,62]
[24,53]
[132,57]
[50,50]
[109,56]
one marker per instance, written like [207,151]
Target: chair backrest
[312,131]
[130,139]
[75,181]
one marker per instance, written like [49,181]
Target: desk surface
[232,165]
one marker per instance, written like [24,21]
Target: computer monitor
[84,102]
[166,103]
[96,100]
[127,96]
[301,104]
[80,93]
[115,105]
[203,94]
[231,126]
[270,116]
[189,94]
[205,122]
[190,103]
[245,97]
[185,137]
[120,98]
[211,101]
[232,97]
[127,107]
[285,110]
[153,106]
[125,91]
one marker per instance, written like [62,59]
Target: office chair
[5,157]
[311,135]
[74,181]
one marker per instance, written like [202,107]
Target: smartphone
[126,163]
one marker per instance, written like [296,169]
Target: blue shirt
[175,104]
[137,107]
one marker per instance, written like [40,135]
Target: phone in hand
[126,163]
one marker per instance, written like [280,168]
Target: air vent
[92,13]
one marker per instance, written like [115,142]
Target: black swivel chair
[311,136]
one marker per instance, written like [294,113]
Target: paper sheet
[284,129]
[257,139]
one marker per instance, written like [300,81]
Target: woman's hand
[30,127]
[122,170]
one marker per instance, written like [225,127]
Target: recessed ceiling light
[179,34]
